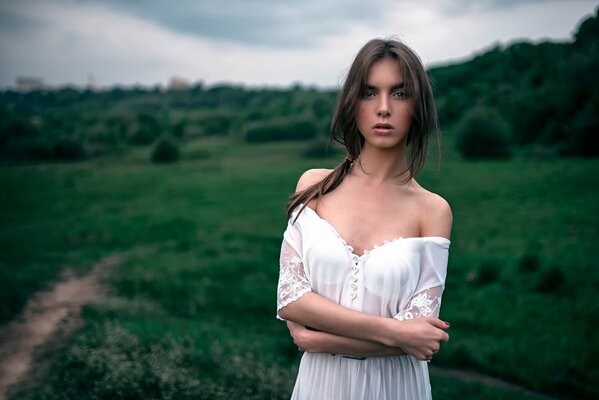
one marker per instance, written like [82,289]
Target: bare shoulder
[311,177]
[436,216]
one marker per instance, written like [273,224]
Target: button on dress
[402,278]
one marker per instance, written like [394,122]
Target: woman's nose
[383,108]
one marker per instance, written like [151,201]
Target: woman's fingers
[439,323]
[445,337]
[426,335]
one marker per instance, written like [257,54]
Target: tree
[483,133]
[165,151]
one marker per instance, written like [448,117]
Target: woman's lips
[383,129]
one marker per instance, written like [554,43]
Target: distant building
[178,83]
[29,83]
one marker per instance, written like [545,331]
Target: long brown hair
[343,125]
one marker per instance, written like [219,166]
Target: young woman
[364,256]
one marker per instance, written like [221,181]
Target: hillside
[547,93]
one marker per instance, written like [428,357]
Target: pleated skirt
[324,376]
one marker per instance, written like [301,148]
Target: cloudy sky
[254,42]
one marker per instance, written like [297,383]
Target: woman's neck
[380,166]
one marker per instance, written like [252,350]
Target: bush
[178,129]
[143,136]
[582,134]
[529,262]
[17,128]
[483,133]
[40,150]
[290,129]
[550,280]
[165,151]
[148,130]
[488,273]
[112,363]
[70,150]
[216,124]
[321,149]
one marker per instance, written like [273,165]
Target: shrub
[582,134]
[216,124]
[179,128]
[550,280]
[321,149]
[143,136]
[115,364]
[165,151]
[70,150]
[487,273]
[40,150]
[288,129]
[483,133]
[148,130]
[16,127]
[529,262]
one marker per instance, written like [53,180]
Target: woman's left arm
[323,342]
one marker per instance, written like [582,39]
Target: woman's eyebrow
[399,85]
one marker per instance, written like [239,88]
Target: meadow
[190,313]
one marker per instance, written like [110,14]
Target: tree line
[522,95]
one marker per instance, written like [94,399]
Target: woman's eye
[368,93]
[400,93]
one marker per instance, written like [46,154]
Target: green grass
[191,312]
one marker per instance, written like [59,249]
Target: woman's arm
[419,337]
[323,342]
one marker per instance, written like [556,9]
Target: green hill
[547,94]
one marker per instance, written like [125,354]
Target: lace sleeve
[293,280]
[426,303]
[426,300]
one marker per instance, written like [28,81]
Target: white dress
[402,278]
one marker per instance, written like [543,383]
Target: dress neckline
[376,246]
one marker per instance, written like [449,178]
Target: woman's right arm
[419,337]
[323,342]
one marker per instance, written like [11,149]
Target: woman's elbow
[290,311]
[283,313]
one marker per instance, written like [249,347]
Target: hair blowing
[343,125]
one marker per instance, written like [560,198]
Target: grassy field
[191,310]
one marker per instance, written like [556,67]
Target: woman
[364,255]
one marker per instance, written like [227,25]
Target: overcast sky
[254,42]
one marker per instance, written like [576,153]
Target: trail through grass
[192,309]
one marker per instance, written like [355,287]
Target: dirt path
[46,310]
[42,315]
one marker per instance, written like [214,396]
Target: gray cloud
[268,23]
[454,7]
[252,41]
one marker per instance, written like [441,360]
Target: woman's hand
[419,337]
[302,336]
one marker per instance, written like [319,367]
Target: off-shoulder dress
[401,278]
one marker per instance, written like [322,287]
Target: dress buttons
[354,274]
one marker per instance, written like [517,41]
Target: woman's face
[384,114]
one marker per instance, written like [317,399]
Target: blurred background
[148,149]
